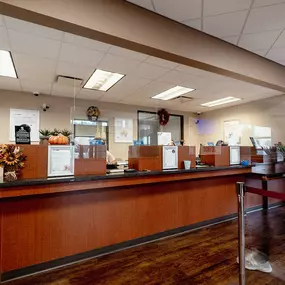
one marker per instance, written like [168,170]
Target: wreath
[93,113]
[163,117]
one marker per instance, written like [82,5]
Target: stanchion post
[241,231]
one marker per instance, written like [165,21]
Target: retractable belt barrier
[241,191]
[267,193]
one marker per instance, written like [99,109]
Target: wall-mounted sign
[20,117]
[163,138]
[23,134]
[124,130]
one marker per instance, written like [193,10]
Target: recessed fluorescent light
[6,64]
[173,93]
[102,80]
[221,101]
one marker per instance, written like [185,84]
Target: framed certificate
[170,157]
[60,160]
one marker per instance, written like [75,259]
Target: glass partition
[148,127]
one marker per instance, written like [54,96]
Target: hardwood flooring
[206,256]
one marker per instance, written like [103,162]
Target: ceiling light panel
[221,101]
[173,93]
[102,80]
[6,64]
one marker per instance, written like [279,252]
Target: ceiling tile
[127,85]
[85,42]
[150,90]
[34,45]
[33,68]
[143,3]
[176,77]
[64,91]
[259,3]
[37,30]
[107,99]
[74,70]
[233,40]
[127,53]
[195,24]
[179,10]
[161,62]
[266,19]
[93,95]
[215,7]
[260,52]
[118,64]
[281,41]
[36,86]
[225,25]
[7,83]
[149,71]
[259,41]
[4,42]
[79,55]
[276,54]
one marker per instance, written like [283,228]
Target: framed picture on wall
[232,132]
[124,130]
[20,117]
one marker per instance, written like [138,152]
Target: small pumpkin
[61,140]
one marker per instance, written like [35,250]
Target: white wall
[61,112]
[266,113]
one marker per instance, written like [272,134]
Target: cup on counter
[187,164]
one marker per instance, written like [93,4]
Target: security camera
[45,107]
[199,113]
[36,94]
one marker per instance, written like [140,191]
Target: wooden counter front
[49,222]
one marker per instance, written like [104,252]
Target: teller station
[71,191]
[86,169]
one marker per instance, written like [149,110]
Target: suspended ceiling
[41,54]
[255,25]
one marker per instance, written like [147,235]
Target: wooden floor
[207,256]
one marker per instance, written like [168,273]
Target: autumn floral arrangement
[12,160]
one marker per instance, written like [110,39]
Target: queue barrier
[241,190]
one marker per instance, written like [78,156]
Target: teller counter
[47,223]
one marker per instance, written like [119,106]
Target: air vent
[69,81]
[183,99]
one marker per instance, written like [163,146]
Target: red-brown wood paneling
[186,153]
[44,228]
[37,161]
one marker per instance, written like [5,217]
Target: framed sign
[163,138]
[20,117]
[23,134]
[232,132]
[60,160]
[124,132]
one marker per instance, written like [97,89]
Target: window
[148,127]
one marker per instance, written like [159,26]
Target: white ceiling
[41,54]
[255,25]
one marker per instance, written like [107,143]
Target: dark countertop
[269,170]
[70,179]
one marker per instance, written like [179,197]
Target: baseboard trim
[65,261]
